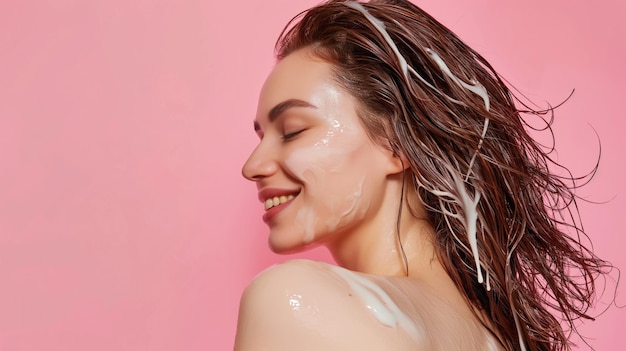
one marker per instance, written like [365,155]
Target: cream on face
[331,190]
[329,174]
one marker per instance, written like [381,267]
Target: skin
[347,192]
[331,163]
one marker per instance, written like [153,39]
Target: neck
[376,248]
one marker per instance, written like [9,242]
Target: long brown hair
[537,275]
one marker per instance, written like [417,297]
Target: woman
[388,140]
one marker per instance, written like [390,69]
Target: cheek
[329,156]
[317,168]
[334,182]
[348,205]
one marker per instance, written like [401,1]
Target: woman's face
[319,175]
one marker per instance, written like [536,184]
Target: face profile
[317,170]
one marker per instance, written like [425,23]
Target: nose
[259,165]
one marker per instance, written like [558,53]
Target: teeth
[277,200]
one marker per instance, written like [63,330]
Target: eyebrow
[286,105]
[281,107]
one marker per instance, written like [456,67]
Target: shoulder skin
[303,305]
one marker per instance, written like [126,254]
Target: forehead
[301,76]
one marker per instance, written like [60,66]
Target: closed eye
[292,135]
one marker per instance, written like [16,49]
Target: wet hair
[461,148]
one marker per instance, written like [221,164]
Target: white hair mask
[469,217]
[474,87]
[469,204]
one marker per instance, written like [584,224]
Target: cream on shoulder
[307,305]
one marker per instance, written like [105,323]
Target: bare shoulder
[308,305]
[290,273]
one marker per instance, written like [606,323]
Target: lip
[268,193]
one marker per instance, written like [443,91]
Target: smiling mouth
[277,200]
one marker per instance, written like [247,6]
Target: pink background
[124,221]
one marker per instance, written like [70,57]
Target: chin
[284,247]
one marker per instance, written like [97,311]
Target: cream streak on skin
[330,155]
[375,299]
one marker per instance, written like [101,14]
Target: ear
[397,161]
